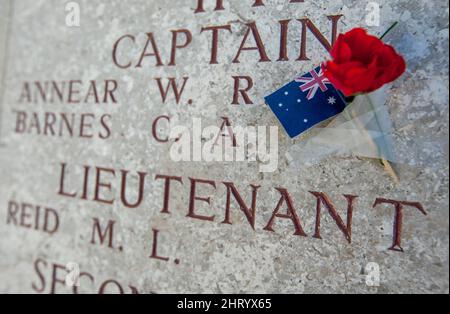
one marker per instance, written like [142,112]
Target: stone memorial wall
[98,193]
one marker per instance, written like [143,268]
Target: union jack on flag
[305,102]
[313,82]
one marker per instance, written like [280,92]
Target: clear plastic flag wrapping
[363,129]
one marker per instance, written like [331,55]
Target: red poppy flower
[362,63]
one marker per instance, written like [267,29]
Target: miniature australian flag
[305,102]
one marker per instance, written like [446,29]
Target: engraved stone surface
[51,216]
